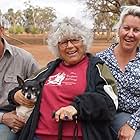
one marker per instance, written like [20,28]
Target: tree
[105,12]
[37,17]
[15,19]
[11,17]
[33,19]
[20,19]
[44,18]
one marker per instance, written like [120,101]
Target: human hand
[20,99]
[65,113]
[13,121]
[126,132]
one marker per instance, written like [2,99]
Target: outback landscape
[37,46]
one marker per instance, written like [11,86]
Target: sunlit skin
[129,33]
[10,118]
[129,39]
[72,53]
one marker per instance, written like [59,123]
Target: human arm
[30,65]
[96,104]
[134,120]
[9,117]
[40,75]
[12,120]
[127,131]
[65,113]
[89,107]
[15,97]
[20,99]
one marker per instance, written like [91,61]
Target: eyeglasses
[64,43]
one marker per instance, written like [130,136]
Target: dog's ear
[20,81]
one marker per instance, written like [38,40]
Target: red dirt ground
[43,55]
[36,44]
[40,52]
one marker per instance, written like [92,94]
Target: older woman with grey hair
[69,28]
[77,88]
[123,59]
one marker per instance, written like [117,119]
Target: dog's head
[30,88]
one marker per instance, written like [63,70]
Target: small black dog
[30,89]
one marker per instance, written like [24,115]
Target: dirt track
[40,50]
[43,55]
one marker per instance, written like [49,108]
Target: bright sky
[63,7]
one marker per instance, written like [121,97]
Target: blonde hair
[127,10]
[68,28]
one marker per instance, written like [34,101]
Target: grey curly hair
[68,28]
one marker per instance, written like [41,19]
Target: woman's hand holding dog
[13,121]
[20,99]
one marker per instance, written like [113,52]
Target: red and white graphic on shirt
[62,77]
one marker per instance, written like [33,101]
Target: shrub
[17,29]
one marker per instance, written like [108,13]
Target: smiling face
[72,51]
[129,33]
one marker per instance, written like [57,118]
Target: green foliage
[17,29]
[34,30]
[105,13]
[33,19]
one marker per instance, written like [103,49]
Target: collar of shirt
[111,49]
[7,47]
